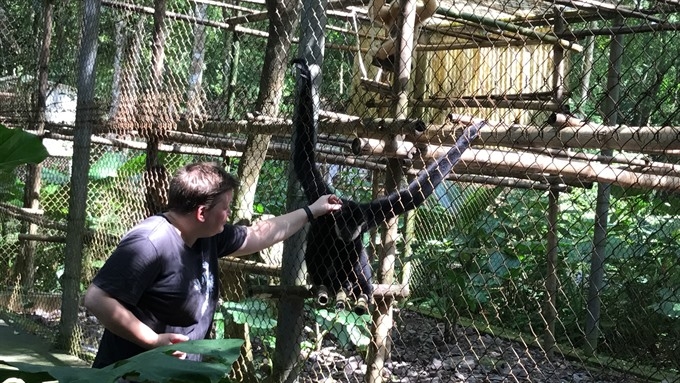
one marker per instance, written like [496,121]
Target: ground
[420,354]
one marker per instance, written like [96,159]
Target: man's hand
[325,204]
[167,339]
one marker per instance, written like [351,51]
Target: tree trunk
[281,26]
[24,268]
[195,91]
[598,262]
[282,23]
[234,58]
[68,338]
[118,57]
[155,172]
[586,68]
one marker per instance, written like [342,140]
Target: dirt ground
[420,354]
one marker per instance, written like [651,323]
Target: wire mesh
[549,254]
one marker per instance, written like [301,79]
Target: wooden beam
[238,264]
[226,5]
[42,238]
[507,26]
[624,30]
[380,291]
[607,7]
[474,45]
[182,17]
[483,102]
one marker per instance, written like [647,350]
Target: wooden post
[379,349]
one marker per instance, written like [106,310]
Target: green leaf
[346,326]
[107,165]
[18,147]
[157,365]
[258,313]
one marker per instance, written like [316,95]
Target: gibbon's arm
[382,209]
[305,126]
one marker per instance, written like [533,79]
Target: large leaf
[258,313]
[157,365]
[346,326]
[107,165]
[18,147]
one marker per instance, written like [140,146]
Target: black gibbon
[335,255]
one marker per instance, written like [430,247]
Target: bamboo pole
[221,4]
[507,26]
[608,7]
[244,265]
[181,17]
[634,164]
[585,171]
[42,238]
[381,291]
[363,146]
[483,102]
[625,29]
[642,139]
[665,173]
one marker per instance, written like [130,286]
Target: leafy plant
[347,327]
[157,365]
[18,147]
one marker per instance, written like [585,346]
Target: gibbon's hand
[325,204]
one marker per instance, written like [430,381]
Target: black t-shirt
[171,287]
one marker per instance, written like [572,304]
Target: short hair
[198,184]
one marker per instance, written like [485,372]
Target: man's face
[216,216]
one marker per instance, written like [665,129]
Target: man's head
[199,184]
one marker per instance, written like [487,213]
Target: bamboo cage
[505,66]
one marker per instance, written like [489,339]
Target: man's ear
[200,213]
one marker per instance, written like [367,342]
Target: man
[160,285]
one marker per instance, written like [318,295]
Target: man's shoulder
[151,228]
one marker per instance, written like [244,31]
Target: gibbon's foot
[387,64]
[362,305]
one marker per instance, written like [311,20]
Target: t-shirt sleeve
[130,270]
[231,239]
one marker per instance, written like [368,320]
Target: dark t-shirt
[171,287]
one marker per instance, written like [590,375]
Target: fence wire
[550,253]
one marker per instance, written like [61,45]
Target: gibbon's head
[350,221]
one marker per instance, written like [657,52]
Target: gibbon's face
[349,222]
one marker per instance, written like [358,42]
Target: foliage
[495,263]
[156,365]
[346,327]
[18,147]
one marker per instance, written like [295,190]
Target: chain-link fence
[550,253]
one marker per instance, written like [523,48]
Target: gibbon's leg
[385,57]
[425,10]
[386,14]
[382,12]
[363,276]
